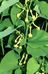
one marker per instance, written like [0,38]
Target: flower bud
[18,15]
[29,35]
[20,63]
[38,28]
[20,47]
[16,46]
[34,18]
[26,20]
[26,1]
[24,62]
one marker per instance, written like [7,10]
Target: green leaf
[20,23]
[14,11]
[6,32]
[5,13]
[9,62]
[0,0]
[38,44]
[11,40]
[47,68]
[42,8]
[32,66]
[8,72]
[23,41]
[36,2]
[19,5]
[18,71]
[6,4]
[37,9]
[5,24]
[18,50]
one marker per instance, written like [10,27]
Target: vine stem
[30,4]
[42,26]
[2,46]
[27,31]
[35,25]
[46,26]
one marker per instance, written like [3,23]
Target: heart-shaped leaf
[32,66]
[6,32]
[38,44]
[42,8]
[6,4]
[9,62]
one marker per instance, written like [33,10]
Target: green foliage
[5,24]
[14,11]
[7,4]
[8,72]
[38,44]
[9,62]
[23,37]
[18,71]
[42,8]
[11,40]
[32,66]
[5,13]
[6,32]
[20,23]
[47,68]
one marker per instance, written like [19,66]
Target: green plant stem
[46,26]
[2,46]
[20,7]
[27,30]
[30,4]
[34,25]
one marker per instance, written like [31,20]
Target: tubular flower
[30,34]
[26,19]
[19,14]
